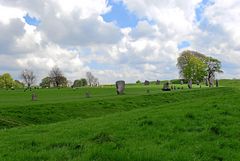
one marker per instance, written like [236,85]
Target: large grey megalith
[190,84]
[120,86]
[166,86]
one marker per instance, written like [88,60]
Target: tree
[57,77]
[95,82]
[28,77]
[84,81]
[63,81]
[46,82]
[213,67]
[90,78]
[1,82]
[80,83]
[18,84]
[77,83]
[192,65]
[138,82]
[92,81]
[6,81]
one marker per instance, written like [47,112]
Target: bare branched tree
[28,77]
[90,78]
[57,77]
[95,81]
[92,81]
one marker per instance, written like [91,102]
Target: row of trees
[194,66]
[55,78]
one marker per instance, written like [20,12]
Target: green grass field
[202,124]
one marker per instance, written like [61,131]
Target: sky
[116,39]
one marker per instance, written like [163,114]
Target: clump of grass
[102,138]
[190,115]
[146,122]
[67,145]
[59,145]
[225,113]
[34,143]
[218,158]
[78,147]
[143,117]
[215,130]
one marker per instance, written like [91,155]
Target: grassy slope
[186,125]
[55,105]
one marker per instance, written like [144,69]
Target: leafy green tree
[192,65]
[63,81]
[46,82]
[18,84]
[6,81]
[80,83]
[138,82]
[77,83]
[84,81]
[1,82]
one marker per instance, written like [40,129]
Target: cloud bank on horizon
[116,39]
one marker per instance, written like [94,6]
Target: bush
[138,82]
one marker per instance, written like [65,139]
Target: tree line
[7,82]
[192,65]
[55,78]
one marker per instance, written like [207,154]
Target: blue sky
[121,15]
[184,44]
[200,9]
[31,20]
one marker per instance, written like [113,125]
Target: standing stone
[120,86]
[34,97]
[190,84]
[148,91]
[87,95]
[181,82]
[146,83]
[166,86]
[158,82]
[217,83]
